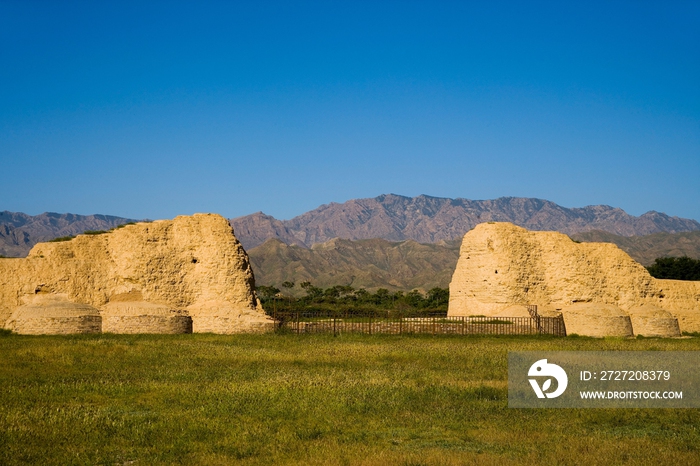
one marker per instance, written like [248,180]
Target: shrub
[61,238]
[123,225]
[675,268]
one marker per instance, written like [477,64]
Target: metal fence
[338,323]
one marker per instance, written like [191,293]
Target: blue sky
[152,110]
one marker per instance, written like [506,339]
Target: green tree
[675,268]
[438,296]
[362,295]
[312,292]
[332,293]
[414,299]
[267,292]
[381,297]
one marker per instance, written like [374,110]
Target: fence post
[562,326]
[370,324]
[334,331]
[298,329]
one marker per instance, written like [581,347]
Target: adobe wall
[501,264]
[192,264]
[144,317]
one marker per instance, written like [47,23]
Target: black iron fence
[338,323]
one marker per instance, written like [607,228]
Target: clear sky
[152,110]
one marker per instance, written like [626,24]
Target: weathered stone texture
[682,300]
[597,320]
[54,314]
[189,265]
[501,264]
[652,321]
[144,317]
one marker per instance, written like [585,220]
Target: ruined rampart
[502,265]
[147,277]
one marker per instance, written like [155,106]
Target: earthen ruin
[54,314]
[597,287]
[168,276]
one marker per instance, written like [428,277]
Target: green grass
[123,225]
[60,239]
[87,232]
[310,399]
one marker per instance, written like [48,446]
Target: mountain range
[19,232]
[427,219]
[390,241]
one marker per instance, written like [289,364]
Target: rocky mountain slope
[19,232]
[422,219]
[371,264]
[406,265]
[428,219]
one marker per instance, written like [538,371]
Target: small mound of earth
[597,320]
[54,314]
[221,317]
[124,316]
[652,321]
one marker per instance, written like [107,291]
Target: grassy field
[310,399]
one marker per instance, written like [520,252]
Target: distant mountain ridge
[394,218]
[427,219]
[19,232]
[368,263]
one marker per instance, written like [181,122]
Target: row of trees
[675,268]
[348,298]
